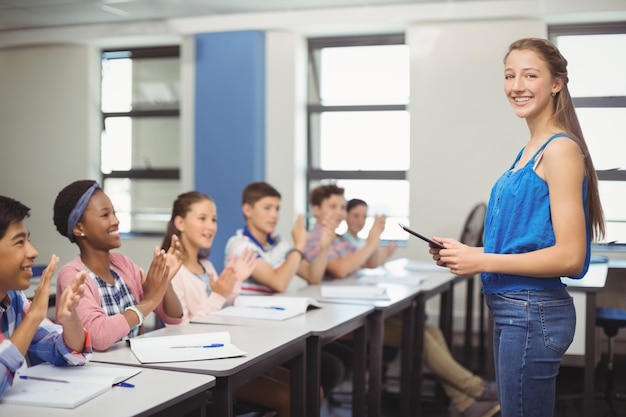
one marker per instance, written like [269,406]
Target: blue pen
[212,345]
[125,385]
[269,307]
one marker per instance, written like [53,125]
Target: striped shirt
[273,253]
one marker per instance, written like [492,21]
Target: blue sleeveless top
[518,220]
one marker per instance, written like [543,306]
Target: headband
[79,209]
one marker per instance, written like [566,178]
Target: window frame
[595,102]
[315,108]
[142,112]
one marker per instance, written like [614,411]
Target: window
[358,122]
[140,142]
[596,56]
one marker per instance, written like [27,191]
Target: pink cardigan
[191,292]
[106,330]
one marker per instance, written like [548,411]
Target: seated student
[343,258]
[118,294]
[471,395]
[278,261]
[355,219]
[26,331]
[201,291]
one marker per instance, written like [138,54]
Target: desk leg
[407,360]
[223,397]
[469,318]
[418,351]
[590,354]
[358,373]
[313,378]
[297,386]
[376,364]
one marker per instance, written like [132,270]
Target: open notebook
[46,385]
[181,348]
[264,307]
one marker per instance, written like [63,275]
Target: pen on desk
[39,378]
[212,345]
[269,307]
[125,385]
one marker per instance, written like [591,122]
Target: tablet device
[424,238]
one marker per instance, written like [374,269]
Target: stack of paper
[181,348]
[46,385]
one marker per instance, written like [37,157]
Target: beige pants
[461,385]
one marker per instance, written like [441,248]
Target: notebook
[265,307]
[181,348]
[46,385]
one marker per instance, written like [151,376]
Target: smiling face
[332,209]
[529,85]
[199,225]
[99,224]
[262,216]
[17,257]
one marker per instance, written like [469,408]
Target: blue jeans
[532,331]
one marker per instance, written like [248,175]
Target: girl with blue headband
[118,294]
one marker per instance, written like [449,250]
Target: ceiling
[29,14]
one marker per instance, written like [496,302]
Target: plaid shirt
[47,344]
[116,298]
[339,247]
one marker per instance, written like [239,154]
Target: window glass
[377,74]
[604,129]
[142,206]
[596,64]
[364,140]
[613,197]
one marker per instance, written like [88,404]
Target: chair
[472,235]
[611,320]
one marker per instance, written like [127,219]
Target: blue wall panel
[229,124]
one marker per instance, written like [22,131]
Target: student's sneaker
[490,391]
[482,409]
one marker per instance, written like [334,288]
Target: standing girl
[543,213]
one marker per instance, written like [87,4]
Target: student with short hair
[118,294]
[27,334]
[343,258]
[279,260]
[356,215]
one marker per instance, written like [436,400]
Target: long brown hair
[182,206]
[565,117]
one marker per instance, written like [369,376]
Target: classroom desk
[156,393]
[264,352]
[325,325]
[404,299]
